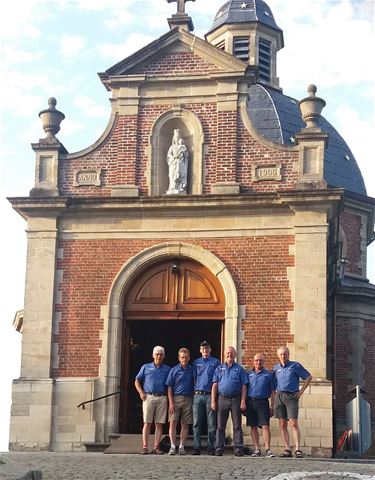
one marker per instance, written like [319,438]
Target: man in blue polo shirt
[180,383]
[228,394]
[204,368]
[150,384]
[260,389]
[288,374]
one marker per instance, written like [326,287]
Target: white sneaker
[181,450]
[269,454]
[172,451]
[256,453]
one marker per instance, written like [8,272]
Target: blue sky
[57,47]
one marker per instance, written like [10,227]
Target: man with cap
[260,389]
[150,384]
[228,394]
[204,368]
[180,383]
[288,393]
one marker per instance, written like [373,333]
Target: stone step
[92,447]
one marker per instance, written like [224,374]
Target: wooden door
[177,303]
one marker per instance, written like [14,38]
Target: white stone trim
[110,367]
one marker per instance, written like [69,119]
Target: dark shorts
[257,412]
[286,406]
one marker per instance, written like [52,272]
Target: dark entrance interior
[142,336]
[175,303]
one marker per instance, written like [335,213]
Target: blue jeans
[202,410]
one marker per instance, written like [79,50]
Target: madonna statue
[177,160]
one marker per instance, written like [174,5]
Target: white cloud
[19,19]
[119,51]
[72,45]
[333,55]
[90,108]
[356,132]
[13,55]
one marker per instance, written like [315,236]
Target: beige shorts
[183,409]
[155,409]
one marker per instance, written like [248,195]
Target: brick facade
[351,225]
[89,267]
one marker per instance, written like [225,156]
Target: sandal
[298,454]
[286,454]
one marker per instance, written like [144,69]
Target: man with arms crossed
[288,374]
[229,390]
[204,368]
[260,389]
[180,383]
[150,384]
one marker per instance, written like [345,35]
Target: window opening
[241,48]
[264,60]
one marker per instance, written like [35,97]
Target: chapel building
[212,207]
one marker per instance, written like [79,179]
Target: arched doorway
[175,303]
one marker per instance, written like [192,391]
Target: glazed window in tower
[264,60]
[241,48]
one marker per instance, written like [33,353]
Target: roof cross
[180,5]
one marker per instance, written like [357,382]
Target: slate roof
[277,117]
[255,11]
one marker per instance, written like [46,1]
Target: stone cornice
[326,200]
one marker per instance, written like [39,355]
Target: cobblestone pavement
[95,466]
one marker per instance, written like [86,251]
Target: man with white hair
[150,384]
[288,393]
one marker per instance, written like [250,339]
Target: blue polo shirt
[287,378]
[261,384]
[230,379]
[153,378]
[181,380]
[204,369]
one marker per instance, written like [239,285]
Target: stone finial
[51,119]
[311,107]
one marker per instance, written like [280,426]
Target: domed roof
[277,117]
[244,11]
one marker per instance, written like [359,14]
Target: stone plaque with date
[87,178]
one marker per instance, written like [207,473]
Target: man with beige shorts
[151,386]
[180,383]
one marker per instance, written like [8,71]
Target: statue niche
[176,154]
[178,163]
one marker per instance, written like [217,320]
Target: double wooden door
[176,303]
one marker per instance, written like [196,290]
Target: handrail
[98,398]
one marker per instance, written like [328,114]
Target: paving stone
[96,466]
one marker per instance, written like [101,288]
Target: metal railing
[99,398]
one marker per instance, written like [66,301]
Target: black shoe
[211,451]
[238,453]
[219,453]
[196,451]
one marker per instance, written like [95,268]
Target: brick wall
[258,267]
[231,153]
[344,355]
[176,63]
[344,363]
[368,360]
[351,225]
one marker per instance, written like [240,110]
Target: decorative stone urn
[311,107]
[51,119]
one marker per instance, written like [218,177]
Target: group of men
[205,392]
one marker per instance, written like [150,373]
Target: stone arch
[161,137]
[110,368]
